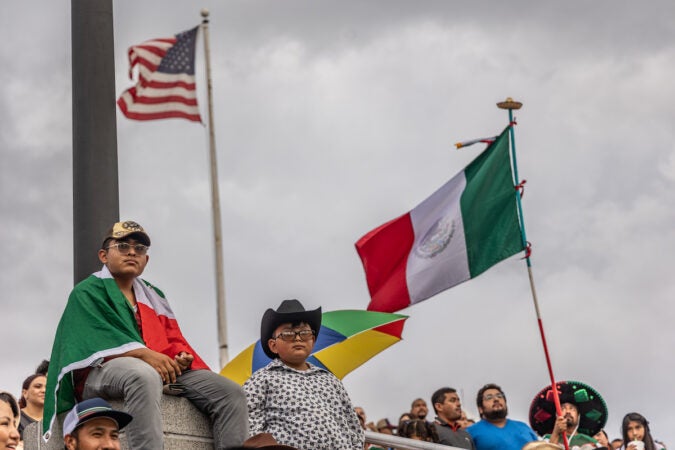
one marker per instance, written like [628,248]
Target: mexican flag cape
[98,322]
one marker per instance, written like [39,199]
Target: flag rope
[528,250]
[521,188]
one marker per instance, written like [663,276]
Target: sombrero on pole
[591,406]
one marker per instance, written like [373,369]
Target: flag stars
[180,58]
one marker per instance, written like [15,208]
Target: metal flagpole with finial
[215,200]
[511,105]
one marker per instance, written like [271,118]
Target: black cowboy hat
[290,311]
[592,408]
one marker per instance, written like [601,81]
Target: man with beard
[581,414]
[494,431]
[418,409]
[568,423]
[448,409]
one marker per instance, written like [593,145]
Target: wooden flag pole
[215,201]
[509,104]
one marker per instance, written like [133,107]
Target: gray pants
[140,386]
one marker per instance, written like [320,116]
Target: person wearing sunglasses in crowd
[298,403]
[495,431]
[118,338]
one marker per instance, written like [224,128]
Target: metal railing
[400,443]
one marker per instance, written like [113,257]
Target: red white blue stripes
[166,84]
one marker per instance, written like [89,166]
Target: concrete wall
[185,428]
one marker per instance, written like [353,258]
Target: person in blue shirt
[495,431]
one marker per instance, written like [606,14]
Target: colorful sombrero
[591,406]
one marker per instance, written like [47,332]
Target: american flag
[166,79]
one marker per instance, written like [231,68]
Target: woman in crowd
[418,429]
[9,418]
[635,427]
[603,439]
[401,420]
[32,402]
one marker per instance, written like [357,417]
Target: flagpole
[96,201]
[215,201]
[510,104]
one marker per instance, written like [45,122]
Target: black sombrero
[591,406]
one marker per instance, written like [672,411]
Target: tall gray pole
[215,204]
[95,185]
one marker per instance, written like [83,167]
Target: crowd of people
[119,339]
[495,431]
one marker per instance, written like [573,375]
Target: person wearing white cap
[94,425]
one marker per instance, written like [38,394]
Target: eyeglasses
[489,397]
[124,248]
[289,336]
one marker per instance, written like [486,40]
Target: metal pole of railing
[400,443]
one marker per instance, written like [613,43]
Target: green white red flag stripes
[99,323]
[460,231]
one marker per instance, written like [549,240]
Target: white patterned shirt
[307,409]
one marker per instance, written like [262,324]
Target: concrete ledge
[185,428]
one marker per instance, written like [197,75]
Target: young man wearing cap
[118,338]
[300,404]
[495,431]
[94,425]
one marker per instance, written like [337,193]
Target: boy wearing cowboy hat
[300,404]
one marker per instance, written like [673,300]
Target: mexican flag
[98,323]
[460,231]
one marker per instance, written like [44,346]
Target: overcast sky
[334,117]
